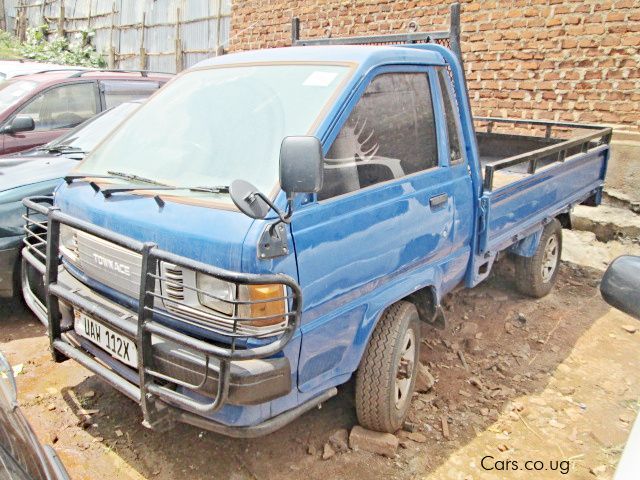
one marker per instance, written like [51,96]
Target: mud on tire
[535,276]
[387,373]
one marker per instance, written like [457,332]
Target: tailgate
[514,205]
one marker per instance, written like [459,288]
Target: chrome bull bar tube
[160,401]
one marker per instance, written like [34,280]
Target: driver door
[385,212]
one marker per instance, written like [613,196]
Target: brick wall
[572,60]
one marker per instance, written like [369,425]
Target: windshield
[13,91]
[89,134]
[216,125]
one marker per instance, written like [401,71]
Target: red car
[37,108]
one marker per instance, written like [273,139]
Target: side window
[119,91]
[389,134]
[455,150]
[62,107]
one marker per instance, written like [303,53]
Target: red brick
[555,59]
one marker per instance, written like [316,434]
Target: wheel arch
[426,300]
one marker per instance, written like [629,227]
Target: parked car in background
[22,456]
[39,107]
[38,172]
[15,68]
[620,288]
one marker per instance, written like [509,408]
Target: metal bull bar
[152,384]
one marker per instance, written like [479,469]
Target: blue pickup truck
[274,223]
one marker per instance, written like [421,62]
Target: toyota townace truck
[273,223]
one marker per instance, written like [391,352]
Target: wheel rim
[550,258]
[405,370]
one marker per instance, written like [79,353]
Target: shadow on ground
[498,345]
[17,321]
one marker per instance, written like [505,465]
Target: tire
[382,397]
[535,276]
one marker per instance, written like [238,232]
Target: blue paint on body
[356,254]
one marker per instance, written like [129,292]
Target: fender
[527,246]
[375,304]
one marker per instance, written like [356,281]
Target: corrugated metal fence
[159,35]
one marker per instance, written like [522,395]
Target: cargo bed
[531,179]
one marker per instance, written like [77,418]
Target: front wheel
[536,275]
[387,374]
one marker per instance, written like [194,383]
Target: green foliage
[60,49]
[8,46]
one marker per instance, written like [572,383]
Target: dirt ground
[552,380]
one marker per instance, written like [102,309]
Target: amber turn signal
[270,303]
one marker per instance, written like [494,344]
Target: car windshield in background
[87,136]
[215,125]
[11,92]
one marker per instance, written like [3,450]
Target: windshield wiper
[69,179]
[136,178]
[62,149]
[155,185]
[107,192]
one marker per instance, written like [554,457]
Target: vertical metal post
[3,16]
[51,278]
[562,154]
[178,44]
[219,50]
[143,52]
[454,31]
[61,20]
[488,178]
[43,6]
[295,31]
[112,48]
[88,17]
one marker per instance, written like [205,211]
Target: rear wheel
[387,374]
[536,275]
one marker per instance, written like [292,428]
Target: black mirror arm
[284,217]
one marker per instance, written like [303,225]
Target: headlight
[266,303]
[218,294]
[69,243]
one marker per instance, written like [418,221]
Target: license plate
[116,345]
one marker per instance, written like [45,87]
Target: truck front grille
[109,264]
[173,288]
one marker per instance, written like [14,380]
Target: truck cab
[273,223]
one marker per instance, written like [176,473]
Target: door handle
[439,200]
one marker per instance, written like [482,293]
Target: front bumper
[251,382]
[180,377]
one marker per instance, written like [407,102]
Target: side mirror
[301,163]
[249,199]
[620,285]
[20,124]
[301,171]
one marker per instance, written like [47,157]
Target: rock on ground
[339,440]
[424,380]
[384,444]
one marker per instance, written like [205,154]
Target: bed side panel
[519,208]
